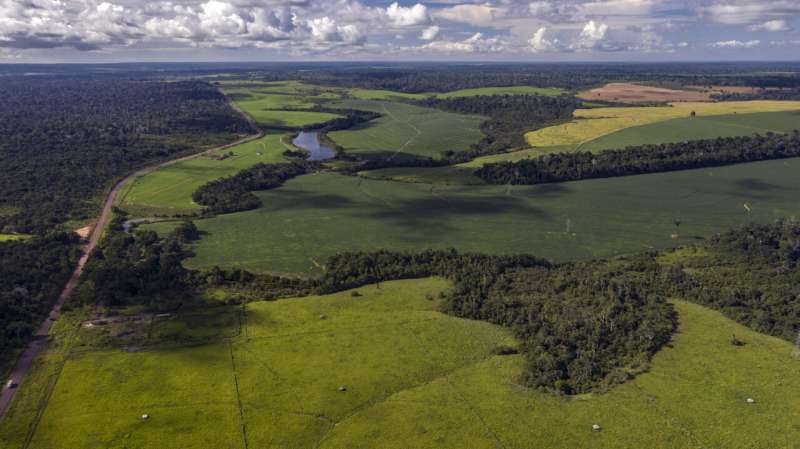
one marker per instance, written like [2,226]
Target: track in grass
[413,378]
[316,216]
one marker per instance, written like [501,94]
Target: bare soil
[637,93]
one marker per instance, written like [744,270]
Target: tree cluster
[636,160]
[234,193]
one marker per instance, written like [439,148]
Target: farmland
[280,104]
[316,216]
[592,124]
[169,189]
[411,376]
[404,130]
[637,93]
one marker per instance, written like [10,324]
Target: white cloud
[477,43]
[478,15]
[539,44]
[401,16]
[591,35]
[430,33]
[325,29]
[772,26]
[736,44]
[745,12]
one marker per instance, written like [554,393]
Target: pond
[309,141]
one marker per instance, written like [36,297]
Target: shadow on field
[426,217]
[755,188]
[301,199]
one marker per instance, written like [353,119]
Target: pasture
[315,216]
[411,377]
[169,189]
[281,104]
[405,130]
[592,124]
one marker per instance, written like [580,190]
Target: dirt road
[40,339]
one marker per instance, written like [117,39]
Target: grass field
[405,130]
[413,378]
[592,124]
[313,217]
[267,102]
[168,190]
[371,94]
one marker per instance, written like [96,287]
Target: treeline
[420,78]
[642,159]
[778,95]
[63,141]
[32,275]
[234,193]
[509,118]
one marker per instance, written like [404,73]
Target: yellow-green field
[169,190]
[591,124]
[412,378]
[11,237]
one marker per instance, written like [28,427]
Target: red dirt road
[25,361]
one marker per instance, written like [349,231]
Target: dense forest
[509,118]
[63,141]
[234,193]
[642,159]
[778,95]
[32,274]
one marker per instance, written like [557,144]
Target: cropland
[638,93]
[405,131]
[315,216]
[280,104]
[591,125]
[386,369]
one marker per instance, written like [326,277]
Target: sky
[486,30]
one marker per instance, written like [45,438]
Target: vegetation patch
[374,94]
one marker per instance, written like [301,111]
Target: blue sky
[502,30]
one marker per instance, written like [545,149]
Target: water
[309,141]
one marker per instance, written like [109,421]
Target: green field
[169,190]
[413,378]
[280,104]
[372,94]
[404,130]
[313,217]
[698,128]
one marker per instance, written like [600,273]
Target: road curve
[39,341]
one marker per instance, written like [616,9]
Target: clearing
[412,377]
[315,216]
[281,104]
[638,93]
[372,94]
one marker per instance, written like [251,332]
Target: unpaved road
[40,338]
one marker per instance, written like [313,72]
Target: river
[309,141]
